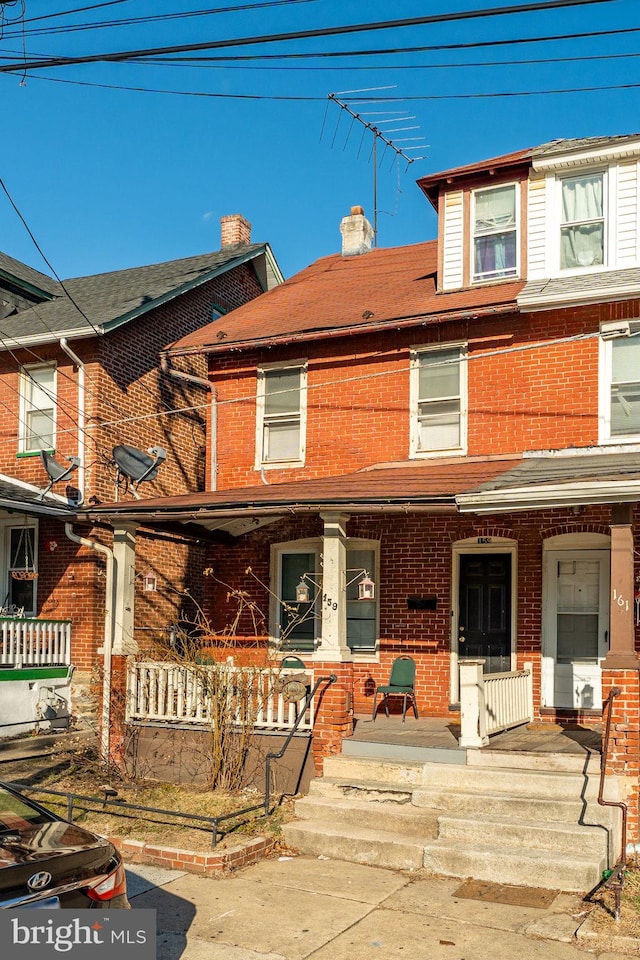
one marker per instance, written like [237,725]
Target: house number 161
[331,604]
[620,601]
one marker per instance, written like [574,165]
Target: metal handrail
[277,756]
[615,880]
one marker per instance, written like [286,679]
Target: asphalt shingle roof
[106,298]
[339,293]
[23,274]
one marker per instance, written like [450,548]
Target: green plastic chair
[401,684]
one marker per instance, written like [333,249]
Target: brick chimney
[235,229]
[357,233]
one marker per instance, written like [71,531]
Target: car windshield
[17,813]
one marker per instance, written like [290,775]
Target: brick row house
[457,421]
[80,377]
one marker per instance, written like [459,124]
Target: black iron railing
[615,878]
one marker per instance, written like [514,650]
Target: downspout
[206,385]
[108,634]
[81,411]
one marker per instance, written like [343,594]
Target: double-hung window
[438,402]
[495,233]
[582,222]
[620,388]
[37,407]
[281,415]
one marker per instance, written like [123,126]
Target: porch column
[124,561]
[622,654]
[473,729]
[333,646]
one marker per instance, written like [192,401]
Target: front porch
[431,737]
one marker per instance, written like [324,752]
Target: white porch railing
[171,693]
[490,702]
[27,641]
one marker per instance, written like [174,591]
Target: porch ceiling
[407,487]
[572,478]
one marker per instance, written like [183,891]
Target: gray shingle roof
[27,500]
[566,469]
[107,299]
[581,143]
[606,284]
[25,275]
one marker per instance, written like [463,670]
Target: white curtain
[582,231]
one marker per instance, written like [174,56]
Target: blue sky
[109,178]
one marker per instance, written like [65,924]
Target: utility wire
[151,19]
[497,352]
[42,254]
[457,16]
[362,100]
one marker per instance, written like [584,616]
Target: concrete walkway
[294,908]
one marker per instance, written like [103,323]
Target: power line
[250,398]
[152,18]
[42,254]
[362,100]
[458,16]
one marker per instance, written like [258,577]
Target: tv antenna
[373,126]
[136,465]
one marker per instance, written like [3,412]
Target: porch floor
[442,734]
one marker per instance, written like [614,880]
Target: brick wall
[526,392]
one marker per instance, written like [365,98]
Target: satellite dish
[137,465]
[55,470]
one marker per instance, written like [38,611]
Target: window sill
[22,454]
[435,454]
[279,465]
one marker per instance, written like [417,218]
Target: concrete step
[481,805]
[382,816]
[564,839]
[587,762]
[381,848]
[522,867]
[401,751]
[374,769]
[507,781]
[378,792]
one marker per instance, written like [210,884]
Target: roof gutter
[333,332]
[205,514]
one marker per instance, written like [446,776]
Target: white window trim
[6,525]
[24,382]
[480,280]
[609,191]
[260,462]
[414,396]
[605,372]
[314,545]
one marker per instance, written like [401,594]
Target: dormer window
[582,222]
[495,233]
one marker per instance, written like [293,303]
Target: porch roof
[25,498]
[425,486]
[560,479]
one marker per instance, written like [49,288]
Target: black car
[46,861]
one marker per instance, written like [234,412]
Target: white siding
[536,214]
[453,241]
[627,215]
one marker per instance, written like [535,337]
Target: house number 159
[331,604]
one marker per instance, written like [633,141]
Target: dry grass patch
[602,919]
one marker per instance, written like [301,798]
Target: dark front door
[484,624]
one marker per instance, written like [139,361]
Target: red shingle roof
[403,486]
[339,294]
